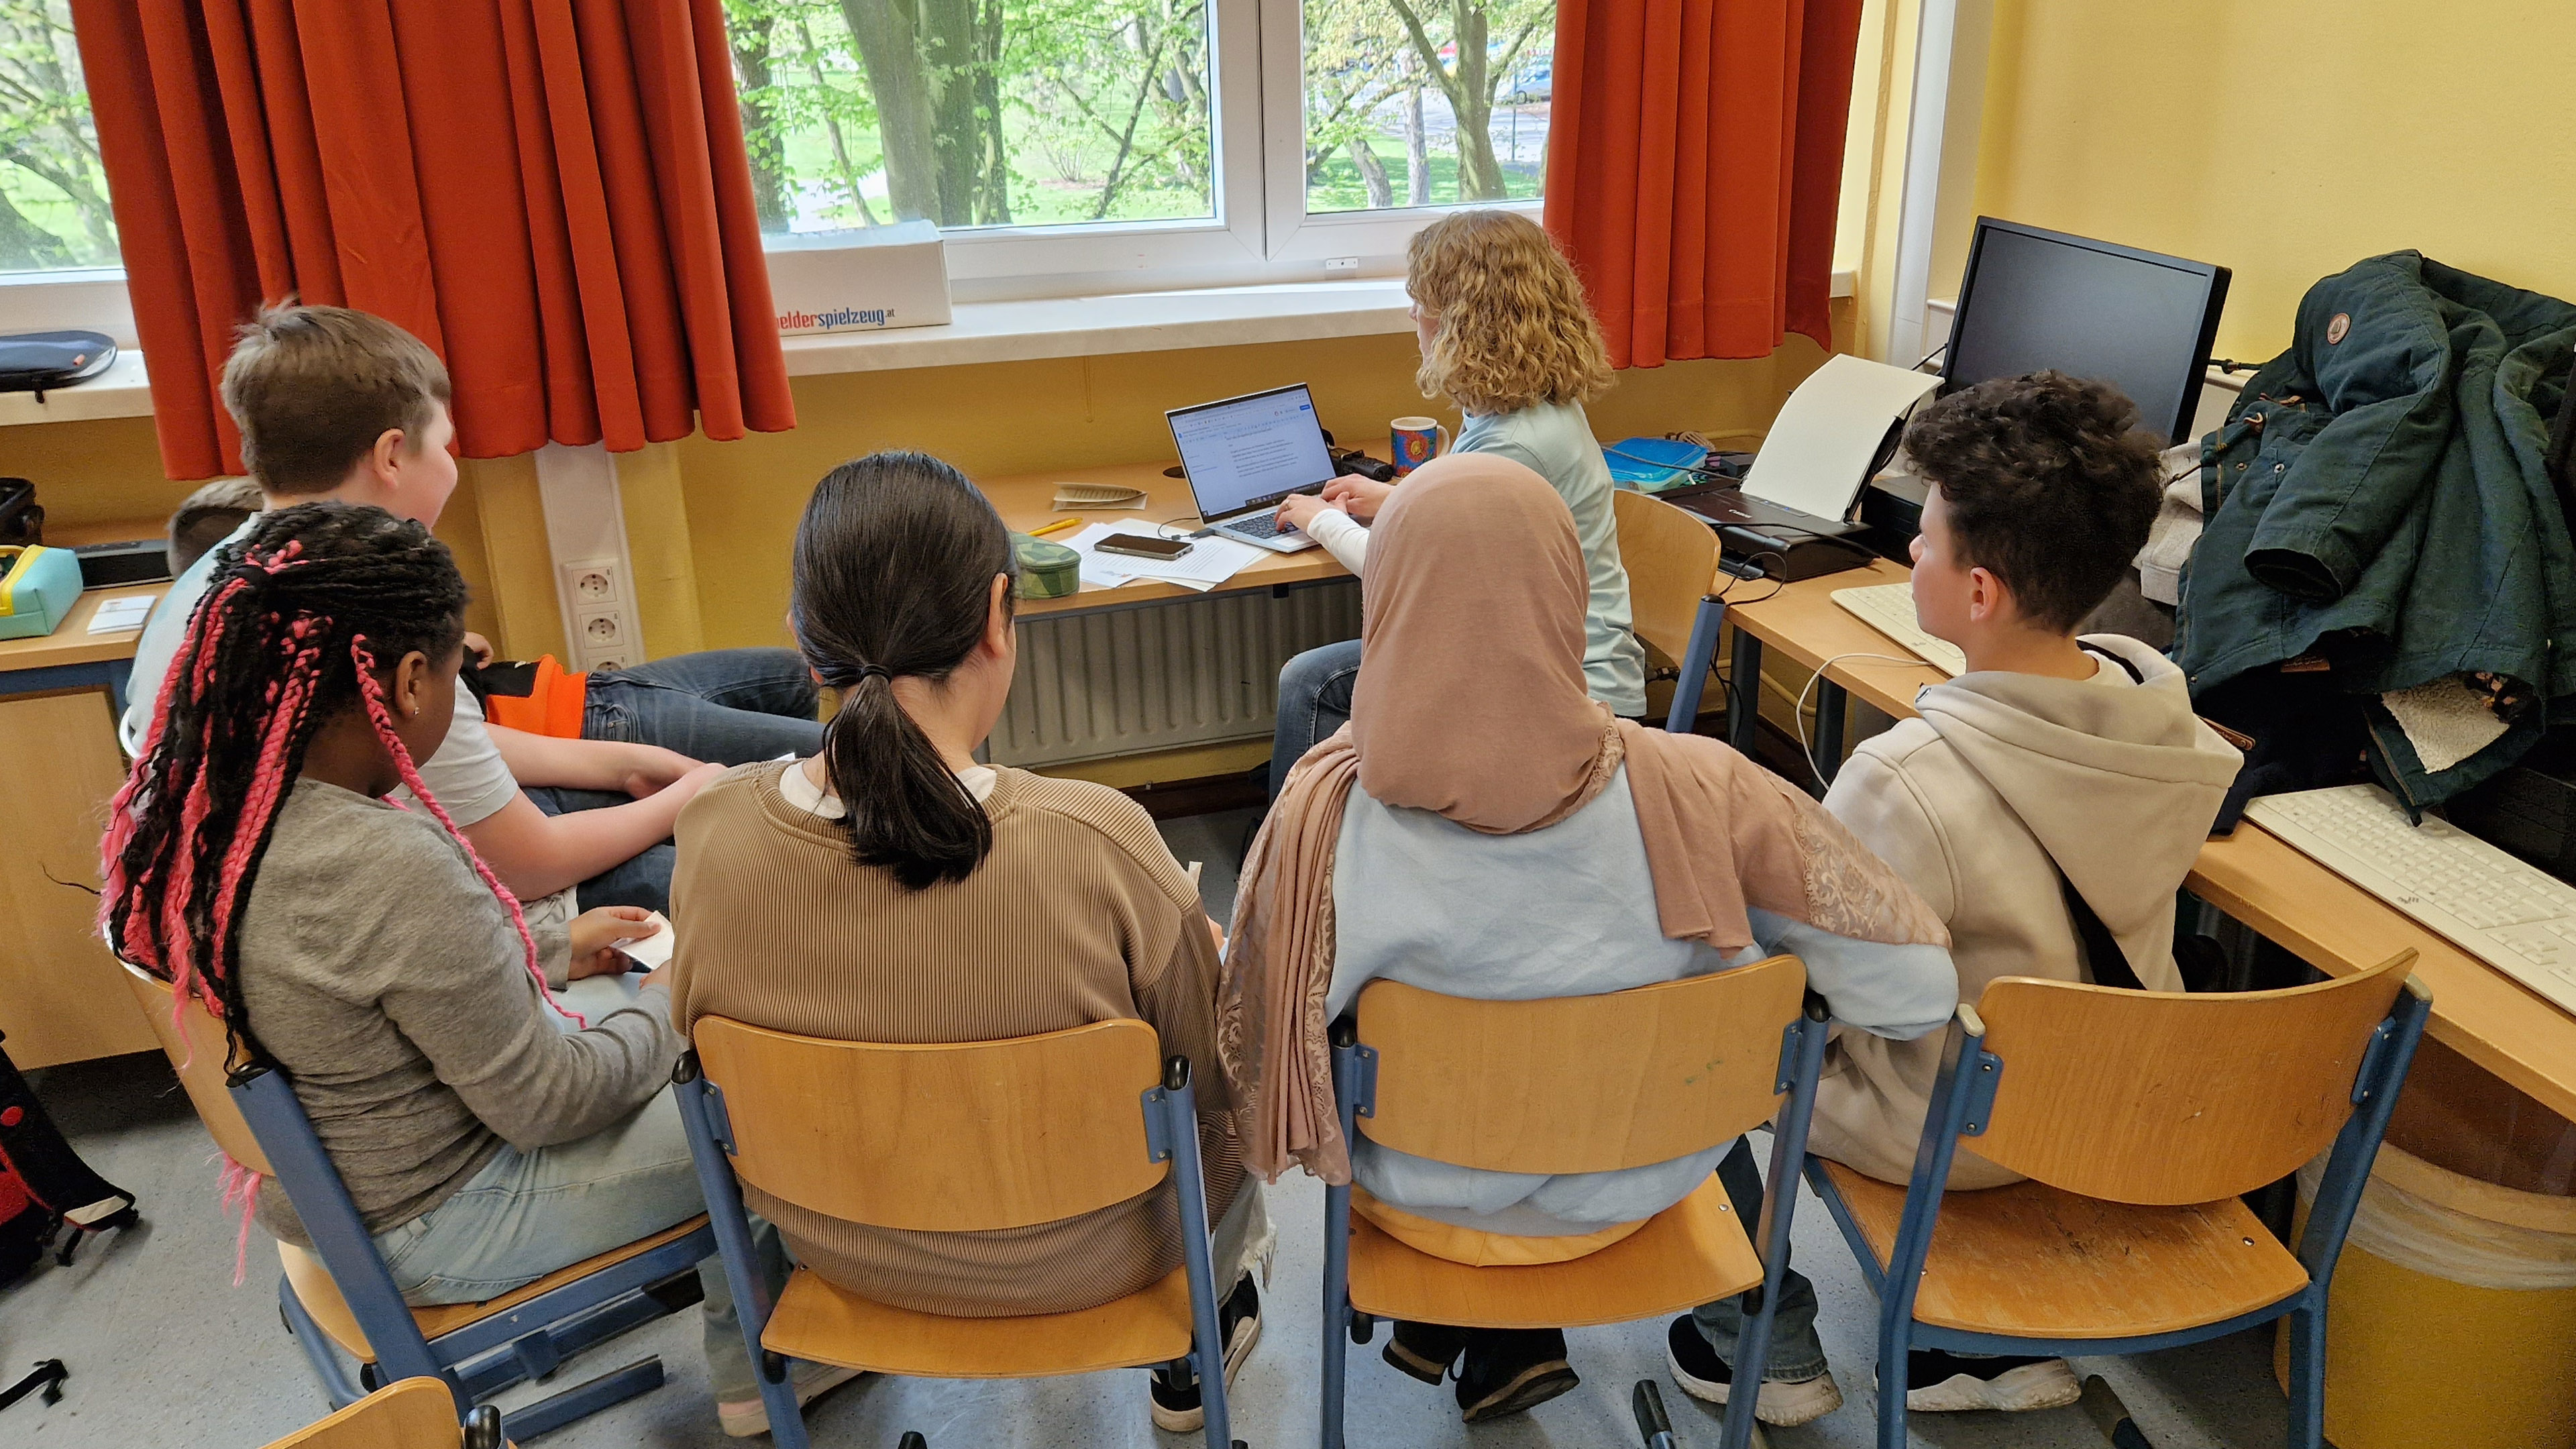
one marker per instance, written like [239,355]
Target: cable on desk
[1798,715]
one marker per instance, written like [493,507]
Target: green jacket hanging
[2378,506]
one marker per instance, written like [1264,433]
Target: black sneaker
[1175,1394]
[1426,1351]
[1706,1377]
[1945,1383]
[1508,1370]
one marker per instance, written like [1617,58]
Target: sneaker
[1426,1351]
[1175,1399]
[1507,1371]
[1704,1376]
[743,1418]
[1944,1383]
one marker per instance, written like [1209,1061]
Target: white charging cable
[1798,715]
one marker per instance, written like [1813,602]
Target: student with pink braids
[254,862]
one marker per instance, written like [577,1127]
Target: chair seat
[827,1324]
[2034,1261]
[321,1296]
[1690,1253]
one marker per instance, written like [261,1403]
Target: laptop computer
[1244,454]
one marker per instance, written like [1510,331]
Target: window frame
[1261,232]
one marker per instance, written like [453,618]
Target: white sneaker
[744,1418]
[1704,1376]
[1942,1383]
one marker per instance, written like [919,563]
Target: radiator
[1162,676]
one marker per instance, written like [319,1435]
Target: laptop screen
[1249,452]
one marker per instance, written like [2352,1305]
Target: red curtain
[1694,165]
[552,194]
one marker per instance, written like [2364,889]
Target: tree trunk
[832,125]
[994,207]
[1417,151]
[890,48]
[1471,100]
[25,246]
[948,53]
[759,127]
[1381,189]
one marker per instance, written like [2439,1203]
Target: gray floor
[164,1349]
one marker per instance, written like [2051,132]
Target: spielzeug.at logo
[837,318]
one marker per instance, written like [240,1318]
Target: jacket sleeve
[1876,800]
[1893,991]
[465,999]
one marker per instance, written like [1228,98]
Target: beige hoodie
[2117,781]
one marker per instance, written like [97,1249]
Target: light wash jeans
[527,1214]
[1314,700]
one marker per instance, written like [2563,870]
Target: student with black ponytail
[892,889]
[487,1135]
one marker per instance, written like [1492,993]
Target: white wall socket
[591,583]
[604,628]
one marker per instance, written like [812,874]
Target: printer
[38,586]
[1790,518]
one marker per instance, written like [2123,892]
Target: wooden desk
[1027,503]
[2253,876]
[61,999]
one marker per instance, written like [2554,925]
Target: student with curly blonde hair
[1505,334]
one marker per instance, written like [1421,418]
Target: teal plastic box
[38,587]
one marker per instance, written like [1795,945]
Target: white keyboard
[1889,608]
[2491,905]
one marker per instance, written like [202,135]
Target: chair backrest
[2166,1098]
[417,1413]
[1671,558]
[197,1049]
[963,1137]
[1579,1083]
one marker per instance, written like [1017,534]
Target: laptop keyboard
[1256,525]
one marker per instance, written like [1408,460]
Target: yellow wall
[2289,140]
[709,524]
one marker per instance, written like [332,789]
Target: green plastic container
[1047,570]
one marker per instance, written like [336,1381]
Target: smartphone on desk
[1136,545]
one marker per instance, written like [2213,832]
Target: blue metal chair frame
[1802,1057]
[479,1360]
[1171,1135]
[1962,1096]
[1696,662]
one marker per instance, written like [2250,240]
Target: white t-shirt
[467,774]
[798,789]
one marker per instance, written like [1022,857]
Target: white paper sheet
[1210,561]
[654,950]
[118,615]
[1816,457]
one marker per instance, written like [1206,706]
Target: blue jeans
[1796,1352]
[1314,700]
[527,1214]
[731,706]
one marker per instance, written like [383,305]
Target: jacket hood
[2119,784]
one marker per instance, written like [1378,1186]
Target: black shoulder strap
[2103,957]
[2136,675]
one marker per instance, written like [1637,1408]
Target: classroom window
[974,113]
[53,192]
[1426,102]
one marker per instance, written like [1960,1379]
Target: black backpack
[46,1191]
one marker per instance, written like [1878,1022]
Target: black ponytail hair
[895,560]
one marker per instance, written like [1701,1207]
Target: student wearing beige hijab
[1482,828]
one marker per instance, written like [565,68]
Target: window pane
[1419,103]
[973,112]
[53,193]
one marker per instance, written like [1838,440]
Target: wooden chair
[414,1414]
[340,1291]
[1672,559]
[1575,1084]
[973,1136]
[2139,1117]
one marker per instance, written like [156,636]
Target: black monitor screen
[2036,299]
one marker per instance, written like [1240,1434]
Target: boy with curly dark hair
[2058,769]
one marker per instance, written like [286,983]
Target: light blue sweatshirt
[1564,911]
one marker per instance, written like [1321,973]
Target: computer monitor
[2142,322]
[1249,452]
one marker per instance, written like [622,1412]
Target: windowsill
[982,332]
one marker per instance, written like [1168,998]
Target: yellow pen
[1059,526]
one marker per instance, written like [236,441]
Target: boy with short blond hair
[2060,773]
[337,404]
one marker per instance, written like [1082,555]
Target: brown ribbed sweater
[1080,914]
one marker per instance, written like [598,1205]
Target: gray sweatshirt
[386,978]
